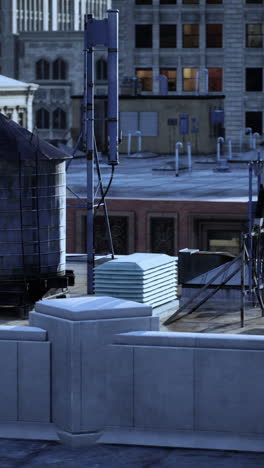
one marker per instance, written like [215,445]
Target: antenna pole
[89,147]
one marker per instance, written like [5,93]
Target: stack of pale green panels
[140,277]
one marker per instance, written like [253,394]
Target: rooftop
[154,178]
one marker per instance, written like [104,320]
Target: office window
[254,1]
[168,2]
[215,79]
[59,70]
[42,70]
[144,35]
[162,235]
[254,79]
[120,230]
[42,118]
[190,1]
[189,79]
[213,2]
[171,74]
[254,35]
[101,70]
[190,35]
[214,35]
[59,119]
[254,121]
[168,36]
[143,2]
[145,76]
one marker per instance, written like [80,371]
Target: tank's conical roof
[16,141]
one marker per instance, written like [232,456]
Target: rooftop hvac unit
[139,277]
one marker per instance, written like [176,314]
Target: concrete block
[8,382]
[92,308]
[34,382]
[60,336]
[22,333]
[79,354]
[216,340]
[28,431]
[163,382]
[119,386]
[78,440]
[183,439]
[229,391]
[156,338]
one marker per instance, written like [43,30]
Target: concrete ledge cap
[92,308]
[190,340]
[22,333]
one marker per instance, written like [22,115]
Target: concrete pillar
[54,15]
[80,331]
[83,11]
[14,16]
[76,16]
[46,15]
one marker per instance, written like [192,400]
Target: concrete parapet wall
[96,369]
[25,382]
[181,389]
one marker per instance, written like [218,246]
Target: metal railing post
[218,148]
[189,156]
[178,144]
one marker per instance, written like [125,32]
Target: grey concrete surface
[148,178]
[41,454]
[25,380]
[196,393]
[79,356]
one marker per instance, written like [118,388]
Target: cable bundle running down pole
[105,33]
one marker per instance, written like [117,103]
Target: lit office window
[189,79]
[171,74]
[190,35]
[145,76]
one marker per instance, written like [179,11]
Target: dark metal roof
[16,141]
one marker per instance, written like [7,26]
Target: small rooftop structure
[16,99]
[15,140]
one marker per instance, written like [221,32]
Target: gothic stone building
[42,42]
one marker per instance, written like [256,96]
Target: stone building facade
[42,42]
[16,101]
[202,46]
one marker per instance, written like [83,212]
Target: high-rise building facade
[202,47]
[54,15]
[41,41]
